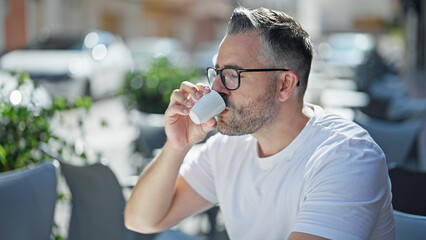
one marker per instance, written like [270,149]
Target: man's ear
[287,82]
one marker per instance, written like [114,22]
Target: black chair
[408,190]
[97,204]
[27,199]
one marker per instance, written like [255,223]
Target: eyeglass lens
[228,76]
[211,75]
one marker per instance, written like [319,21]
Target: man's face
[252,105]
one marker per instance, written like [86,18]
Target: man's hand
[181,131]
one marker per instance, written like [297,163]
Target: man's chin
[221,126]
[224,129]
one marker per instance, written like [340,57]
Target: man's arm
[161,198]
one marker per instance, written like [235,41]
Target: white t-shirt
[331,181]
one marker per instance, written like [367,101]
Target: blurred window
[67,42]
[57,43]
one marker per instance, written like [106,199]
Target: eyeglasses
[230,77]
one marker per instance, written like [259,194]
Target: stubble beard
[250,117]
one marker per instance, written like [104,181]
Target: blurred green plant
[150,90]
[25,118]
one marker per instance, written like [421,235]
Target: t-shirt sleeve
[346,192]
[198,173]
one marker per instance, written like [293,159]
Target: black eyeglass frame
[239,71]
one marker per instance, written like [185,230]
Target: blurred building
[189,20]
[13,28]
[195,21]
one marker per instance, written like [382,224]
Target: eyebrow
[229,66]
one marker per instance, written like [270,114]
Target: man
[279,168]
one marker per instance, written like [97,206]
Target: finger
[203,88]
[178,97]
[176,110]
[192,91]
[209,125]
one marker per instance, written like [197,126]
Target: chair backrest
[395,138]
[409,226]
[97,204]
[152,134]
[27,202]
[408,190]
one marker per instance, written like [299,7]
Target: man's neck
[282,131]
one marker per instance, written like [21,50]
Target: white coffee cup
[207,107]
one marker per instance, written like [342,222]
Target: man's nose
[218,85]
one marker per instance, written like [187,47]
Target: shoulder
[343,144]
[333,130]
[334,124]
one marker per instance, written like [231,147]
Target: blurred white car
[91,64]
[144,49]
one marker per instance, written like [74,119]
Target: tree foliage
[150,90]
[25,118]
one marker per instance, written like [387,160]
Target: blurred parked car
[144,49]
[93,63]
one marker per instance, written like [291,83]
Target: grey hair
[285,43]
